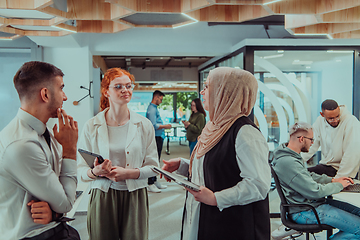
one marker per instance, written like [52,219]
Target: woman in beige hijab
[229,162]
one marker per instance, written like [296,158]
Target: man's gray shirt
[31,171]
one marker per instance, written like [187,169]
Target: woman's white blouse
[252,157]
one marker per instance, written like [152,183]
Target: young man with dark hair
[153,115]
[337,132]
[302,187]
[38,166]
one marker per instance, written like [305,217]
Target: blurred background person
[195,124]
[153,114]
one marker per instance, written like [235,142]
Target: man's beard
[53,109]
[304,149]
[332,125]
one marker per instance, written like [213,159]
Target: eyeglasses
[118,87]
[311,139]
[333,119]
[205,86]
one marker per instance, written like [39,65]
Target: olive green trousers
[118,215]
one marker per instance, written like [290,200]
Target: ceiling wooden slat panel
[55,12]
[190,5]
[24,4]
[89,10]
[66,27]
[294,21]
[226,13]
[150,5]
[351,15]
[97,26]
[47,33]
[294,7]
[118,12]
[99,62]
[109,16]
[330,28]
[326,6]
[12,30]
[94,10]
[29,22]
[352,34]
[240,2]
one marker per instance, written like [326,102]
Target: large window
[293,83]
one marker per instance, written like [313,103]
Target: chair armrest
[306,206]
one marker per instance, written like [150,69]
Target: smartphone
[89,157]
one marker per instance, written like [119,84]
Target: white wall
[144,75]
[76,63]
[10,62]
[337,81]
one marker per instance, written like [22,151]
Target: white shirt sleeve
[28,166]
[252,158]
[184,167]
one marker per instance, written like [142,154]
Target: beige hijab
[232,94]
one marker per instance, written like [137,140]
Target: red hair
[110,75]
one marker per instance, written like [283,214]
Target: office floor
[166,207]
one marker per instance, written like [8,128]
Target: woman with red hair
[118,206]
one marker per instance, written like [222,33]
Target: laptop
[353,187]
[179,180]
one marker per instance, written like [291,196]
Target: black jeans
[63,231]
[159,146]
[323,169]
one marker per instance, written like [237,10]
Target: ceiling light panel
[298,62]
[32,14]
[273,56]
[36,28]
[4,34]
[156,18]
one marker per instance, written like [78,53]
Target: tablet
[179,180]
[89,157]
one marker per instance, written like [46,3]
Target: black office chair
[289,223]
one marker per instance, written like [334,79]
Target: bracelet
[93,173]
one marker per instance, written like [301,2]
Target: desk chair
[289,223]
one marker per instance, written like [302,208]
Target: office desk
[348,197]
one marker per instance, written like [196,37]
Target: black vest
[221,171]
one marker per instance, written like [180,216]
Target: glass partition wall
[293,82]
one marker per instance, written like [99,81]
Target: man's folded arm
[26,163]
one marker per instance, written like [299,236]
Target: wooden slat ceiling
[334,18]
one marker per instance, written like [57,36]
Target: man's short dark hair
[329,105]
[158,93]
[34,75]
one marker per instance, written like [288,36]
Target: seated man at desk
[337,132]
[300,186]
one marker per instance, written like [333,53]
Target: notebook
[179,180]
